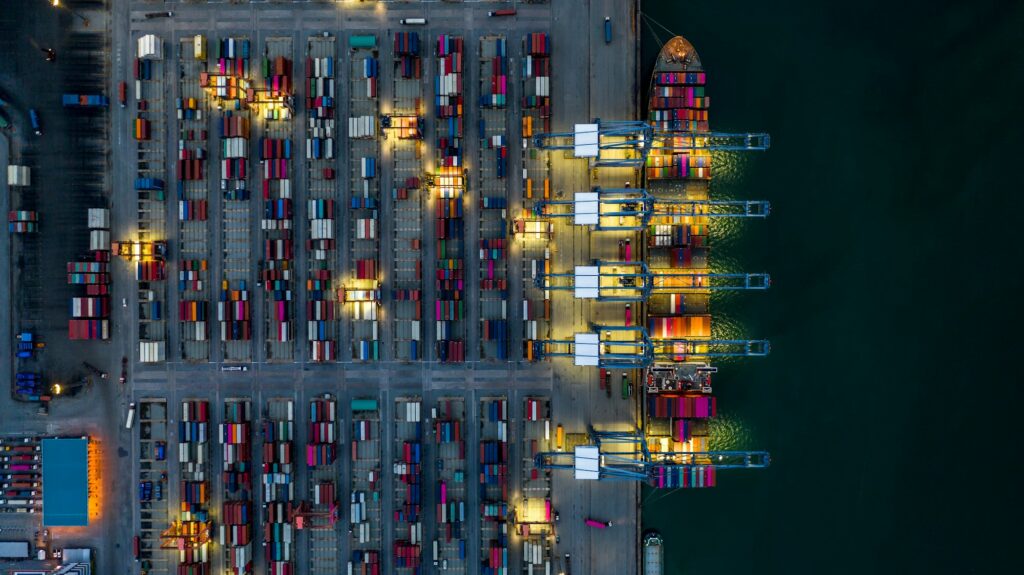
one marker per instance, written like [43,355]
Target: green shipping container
[364,405]
[367,41]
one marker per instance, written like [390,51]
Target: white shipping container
[99,240]
[19,176]
[151,47]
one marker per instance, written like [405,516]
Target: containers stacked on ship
[493,185]
[90,314]
[408,485]
[362,286]
[678,104]
[236,529]
[151,95]
[321,203]
[534,519]
[407,195]
[278,487]
[678,421]
[677,236]
[494,493]
[322,470]
[275,154]
[448,427]
[227,84]
[153,461]
[23,222]
[364,498]
[684,326]
[192,109]
[533,232]
[194,496]
[449,278]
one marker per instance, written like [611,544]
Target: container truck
[84,101]
[607,30]
[503,12]
[413,21]
[122,94]
[5,120]
[130,420]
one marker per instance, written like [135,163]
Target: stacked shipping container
[362,289]
[450,492]
[449,311]
[493,243]
[193,466]
[407,471]
[493,481]
[89,314]
[321,240]
[407,272]
[236,516]
[278,486]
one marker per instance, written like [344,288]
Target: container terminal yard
[362,287]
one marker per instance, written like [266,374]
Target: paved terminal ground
[80,164]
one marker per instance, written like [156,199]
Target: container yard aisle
[493,182]
[151,135]
[407,485]
[408,193]
[322,202]
[273,103]
[192,186]
[237,532]
[235,302]
[362,284]
[324,496]
[450,528]
[153,513]
[365,496]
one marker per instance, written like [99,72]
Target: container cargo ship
[678,170]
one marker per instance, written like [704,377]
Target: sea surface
[891,401]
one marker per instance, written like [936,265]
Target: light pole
[56,4]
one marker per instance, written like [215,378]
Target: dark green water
[891,401]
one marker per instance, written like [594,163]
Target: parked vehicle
[131,416]
[33,118]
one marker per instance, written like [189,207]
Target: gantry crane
[634,281]
[630,347]
[628,143]
[624,455]
[631,209]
